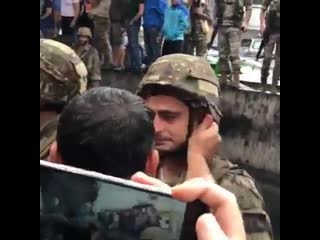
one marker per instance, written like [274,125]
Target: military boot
[275,79]
[264,78]
[236,80]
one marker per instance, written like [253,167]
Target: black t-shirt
[119,10]
[134,8]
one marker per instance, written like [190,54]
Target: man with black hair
[104,130]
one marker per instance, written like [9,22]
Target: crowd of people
[175,26]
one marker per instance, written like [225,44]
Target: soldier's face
[170,122]
[83,40]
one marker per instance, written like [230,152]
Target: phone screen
[77,204]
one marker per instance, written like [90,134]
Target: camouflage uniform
[101,21]
[230,18]
[197,86]
[273,23]
[90,57]
[198,34]
[62,76]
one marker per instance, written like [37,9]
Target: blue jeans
[134,47]
[152,41]
[47,28]
[56,5]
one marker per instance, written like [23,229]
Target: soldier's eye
[150,113]
[169,116]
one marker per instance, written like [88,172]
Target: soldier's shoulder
[251,203]
[239,182]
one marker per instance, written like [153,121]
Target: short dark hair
[106,130]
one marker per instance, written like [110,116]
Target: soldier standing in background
[89,55]
[200,19]
[270,27]
[233,17]
[62,76]
[101,22]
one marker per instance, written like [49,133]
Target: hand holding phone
[225,223]
[79,204]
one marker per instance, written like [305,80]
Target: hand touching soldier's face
[170,123]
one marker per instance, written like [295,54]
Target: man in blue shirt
[175,25]
[153,18]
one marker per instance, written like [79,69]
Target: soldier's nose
[158,124]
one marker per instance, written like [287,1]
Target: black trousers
[65,26]
[171,47]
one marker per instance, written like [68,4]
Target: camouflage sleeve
[265,4]
[256,220]
[208,10]
[94,72]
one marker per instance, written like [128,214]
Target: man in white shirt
[70,10]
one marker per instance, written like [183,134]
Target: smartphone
[79,204]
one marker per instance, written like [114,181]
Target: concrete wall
[251,128]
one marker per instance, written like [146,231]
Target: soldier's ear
[152,163]
[54,155]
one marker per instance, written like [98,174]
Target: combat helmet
[188,78]
[62,73]
[85,31]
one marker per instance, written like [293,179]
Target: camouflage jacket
[273,13]
[48,133]
[251,203]
[198,27]
[230,12]
[239,182]
[90,57]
